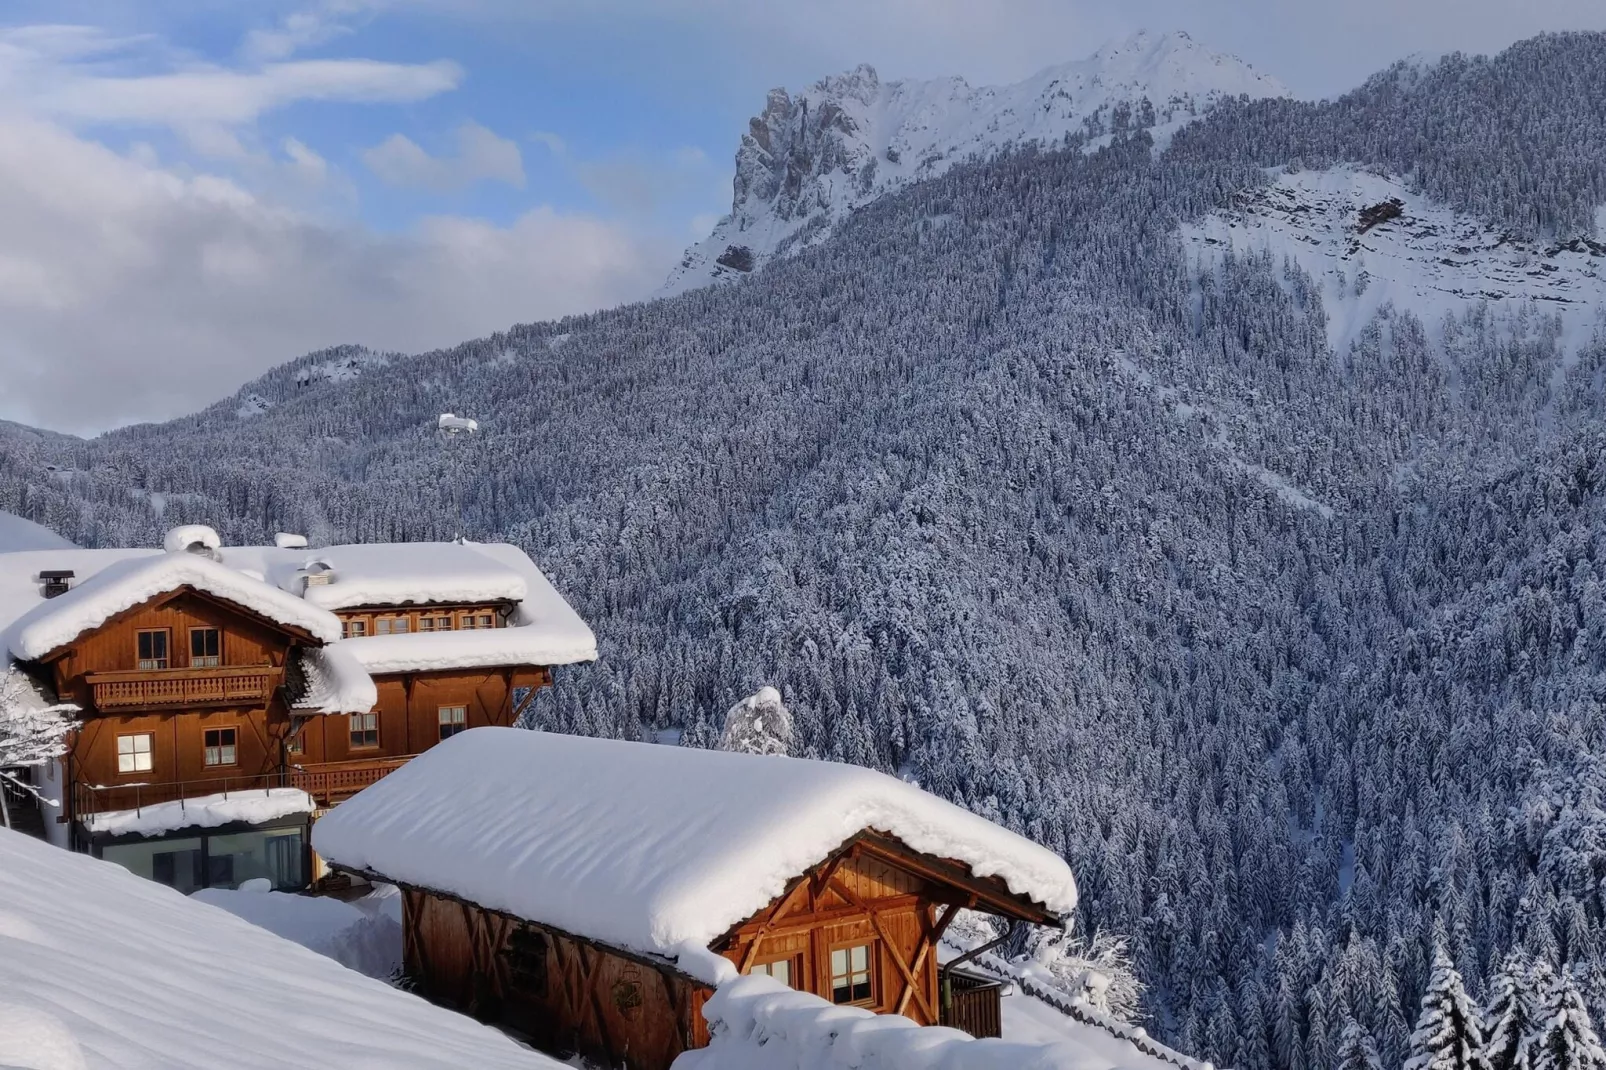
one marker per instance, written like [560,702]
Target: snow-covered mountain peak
[815,155]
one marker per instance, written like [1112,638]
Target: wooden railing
[973,1005]
[333,782]
[156,688]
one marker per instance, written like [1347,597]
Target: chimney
[56,581]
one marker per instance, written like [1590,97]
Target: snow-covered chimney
[193,539]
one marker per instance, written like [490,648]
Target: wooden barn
[591,894]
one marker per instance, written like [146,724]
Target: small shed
[591,894]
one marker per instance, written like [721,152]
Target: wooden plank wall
[409,712]
[568,995]
[854,899]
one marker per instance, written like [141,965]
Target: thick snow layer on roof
[55,622]
[655,849]
[107,971]
[206,811]
[19,534]
[337,682]
[385,574]
[759,1024]
[472,649]
[20,587]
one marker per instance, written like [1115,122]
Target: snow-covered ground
[1430,259]
[858,138]
[364,935]
[19,534]
[103,970]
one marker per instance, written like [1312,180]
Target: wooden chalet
[227,696]
[624,881]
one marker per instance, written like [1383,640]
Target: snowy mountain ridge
[813,157]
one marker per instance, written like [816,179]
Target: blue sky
[197,191]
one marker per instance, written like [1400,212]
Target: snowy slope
[103,969]
[813,157]
[19,534]
[1428,260]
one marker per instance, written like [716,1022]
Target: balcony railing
[158,688]
[333,782]
[92,799]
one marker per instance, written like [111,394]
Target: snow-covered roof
[645,847]
[204,811]
[119,586]
[544,628]
[336,682]
[385,574]
[108,971]
[472,649]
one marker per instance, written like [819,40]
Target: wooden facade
[185,695]
[874,901]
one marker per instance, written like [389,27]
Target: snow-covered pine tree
[1356,1049]
[759,724]
[1449,1031]
[32,732]
[1563,1037]
[1510,1014]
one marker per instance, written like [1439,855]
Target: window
[487,620]
[390,626]
[134,753]
[781,970]
[453,720]
[353,629]
[206,648]
[434,624]
[153,649]
[478,620]
[219,746]
[295,744]
[851,975]
[365,729]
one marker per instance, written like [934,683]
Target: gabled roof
[125,584]
[110,971]
[653,849]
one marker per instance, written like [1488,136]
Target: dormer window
[153,649]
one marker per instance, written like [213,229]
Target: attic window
[206,647]
[153,649]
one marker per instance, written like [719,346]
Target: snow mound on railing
[757,1023]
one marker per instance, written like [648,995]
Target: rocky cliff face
[812,157]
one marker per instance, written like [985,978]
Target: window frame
[872,972]
[353,629]
[232,747]
[134,753]
[794,969]
[206,661]
[150,664]
[388,625]
[458,724]
[370,727]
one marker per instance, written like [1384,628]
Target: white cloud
[481,155]
[132,292]
[305,29]
[307,164]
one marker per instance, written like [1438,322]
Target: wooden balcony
[334,782]
[974,1005]
[154,689]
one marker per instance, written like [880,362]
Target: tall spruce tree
[1356,1048]
[1563,1038]
[1449,1031]
[1511,1012]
